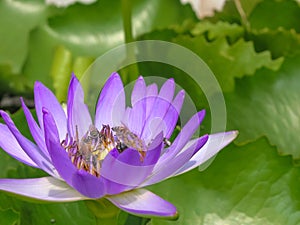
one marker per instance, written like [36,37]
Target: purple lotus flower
[114,157]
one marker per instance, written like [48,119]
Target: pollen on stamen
[89,152]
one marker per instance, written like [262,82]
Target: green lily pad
[229,61]
[248,6]
[273,14]
[17,18]
[244,185]
[220,29]
[268,104]
[280,42]
[9,217]
[64,213]
[98,29]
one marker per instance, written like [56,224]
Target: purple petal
[139,91]
[127,168]
[172,114]
[144,203]
[35,130]
[29,148]
[168,169]
[78,114]
[45,188]
[151,95]
[44,98]
[83,182]
[183,137]
[9,144]
[215,143]
[167,90]
[134,118]
[111,104]
[155,122]
[112,188]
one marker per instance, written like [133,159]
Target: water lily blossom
[115,156]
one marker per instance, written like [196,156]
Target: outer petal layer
[144,203]
[45,188]
[9,144]
[36,154]
[215,143]
[35,130]
[168,169]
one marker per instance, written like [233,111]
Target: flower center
[90,151]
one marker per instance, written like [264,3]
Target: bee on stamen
[125,138]
[89,152]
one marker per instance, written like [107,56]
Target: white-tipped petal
[45,189]
[215,143]
[144,203]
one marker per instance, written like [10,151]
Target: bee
[125,138]
[89,152]
[93,147]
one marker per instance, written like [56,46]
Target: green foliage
[273,14]
[272,100]
[8,217]
[254,181]
[279,42]
[244,185]
[86,30]
[232,32]
[229,61]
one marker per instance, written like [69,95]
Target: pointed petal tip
[201,115]
[140,77]
[73,77]
[2,113]
[144,203]
[182,92]
[205,137]
[236,132]
[175,216]
[171,80]
[37,84]
[203,111]
[114,75]
[233,133]
[73,81]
